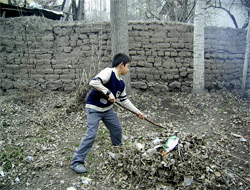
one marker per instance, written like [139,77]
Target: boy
[99,106]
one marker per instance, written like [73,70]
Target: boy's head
[120,58]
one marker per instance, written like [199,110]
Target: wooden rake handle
[148,120]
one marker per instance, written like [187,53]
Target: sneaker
[78,168]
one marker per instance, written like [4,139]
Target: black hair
[120,58]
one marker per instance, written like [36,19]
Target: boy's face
[125,69]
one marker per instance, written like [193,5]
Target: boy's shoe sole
[78,168]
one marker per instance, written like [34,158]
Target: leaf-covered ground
[38,138]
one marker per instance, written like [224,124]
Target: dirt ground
[38,139]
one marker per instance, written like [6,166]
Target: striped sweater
[108,80]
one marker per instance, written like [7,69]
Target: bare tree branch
[246,3]
[152,15]
[178,10]
[191,12]
[219,6]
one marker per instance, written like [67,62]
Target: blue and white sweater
[108,80]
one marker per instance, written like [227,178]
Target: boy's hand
[140,115]
[111,98]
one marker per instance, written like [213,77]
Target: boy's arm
[126,102]
[100,79]
[131,106]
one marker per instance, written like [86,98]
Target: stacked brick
[162,53]
[50,55]
[224,57]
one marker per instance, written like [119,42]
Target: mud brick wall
[224,57]
[162,53]
[50,55]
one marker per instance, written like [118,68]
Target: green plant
[109,148]
[103,134]
[77,144]
[11,155]
[127,143]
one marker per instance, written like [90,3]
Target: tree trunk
[105,7]
[80,12]
[246,60]
[63,5]
[119,31]
[198,77]
[74,10]
[66,8]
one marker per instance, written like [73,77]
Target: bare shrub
[88,73]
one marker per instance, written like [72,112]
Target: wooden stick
[148,120]
[118,103]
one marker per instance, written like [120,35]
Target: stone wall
[50,55]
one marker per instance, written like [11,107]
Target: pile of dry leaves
[191,165]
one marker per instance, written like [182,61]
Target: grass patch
[10,156]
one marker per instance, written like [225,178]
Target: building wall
[50,55]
